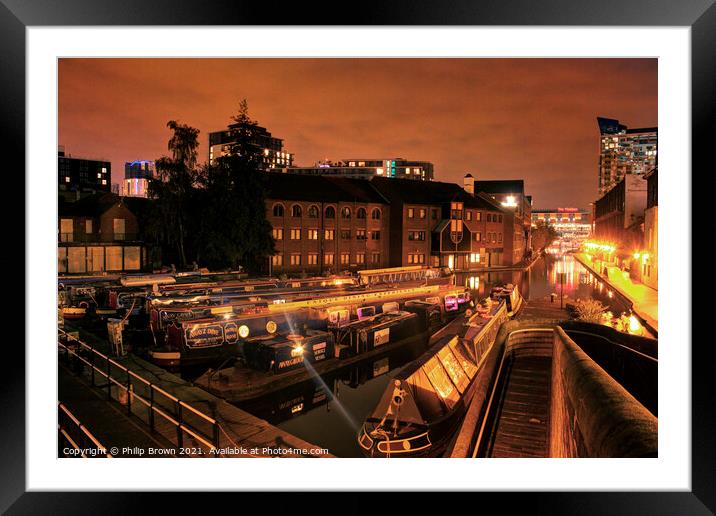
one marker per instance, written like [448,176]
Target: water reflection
[324,412]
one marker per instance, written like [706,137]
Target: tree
[171,221]
[542,236]
[233,229]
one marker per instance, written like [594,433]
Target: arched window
[360,214]
[295,210]
[346,213]
[313,211]
[375,214]
[330,212]
[278,210]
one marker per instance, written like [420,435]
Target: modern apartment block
[261,141]
[80,177]
[624,151]
[137,175]
[368,168]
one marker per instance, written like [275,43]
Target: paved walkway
[645,299]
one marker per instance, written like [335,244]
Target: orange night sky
[533,119]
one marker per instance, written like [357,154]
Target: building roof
[428,192]
[295,187]
[91,206]
[96,204]
[502,186]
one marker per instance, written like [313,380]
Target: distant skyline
[531,119]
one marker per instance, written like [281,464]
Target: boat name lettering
[231,332]
[288,363]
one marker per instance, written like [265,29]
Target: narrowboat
[417,274]
[218,337]
[318,312]
[288,351]
[353,342]
[423,406]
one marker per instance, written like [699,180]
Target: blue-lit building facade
[137,175]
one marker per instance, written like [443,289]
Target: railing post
[151,407]
[92,365]
[180,432]
[216,435]
[109,380]
[129,394]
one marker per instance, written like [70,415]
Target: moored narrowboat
[419,412]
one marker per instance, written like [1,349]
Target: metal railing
[74,434]
[152,404]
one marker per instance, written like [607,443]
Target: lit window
[277,260]
[312,259]
[277,233]
[313,234]
[329,234]
[295,234]
[345,258]
[295,259]
[328,259]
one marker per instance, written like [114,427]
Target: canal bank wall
[649,322]
[507,268]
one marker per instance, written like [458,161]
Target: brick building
[510,196]
[96,234]
[323,224]
[439,224]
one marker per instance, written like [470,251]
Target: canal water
[329,410]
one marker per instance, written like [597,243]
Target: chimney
[468,184]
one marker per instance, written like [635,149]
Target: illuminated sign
[204,336]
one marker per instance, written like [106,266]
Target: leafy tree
[542,236]
[233,229]
[171,223]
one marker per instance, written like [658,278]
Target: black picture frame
[699,15]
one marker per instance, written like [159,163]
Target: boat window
[425,397]
[463,356]
[454,369]
[439,379]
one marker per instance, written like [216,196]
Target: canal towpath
[238,428]
[644,299]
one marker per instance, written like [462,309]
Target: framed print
[406,246]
